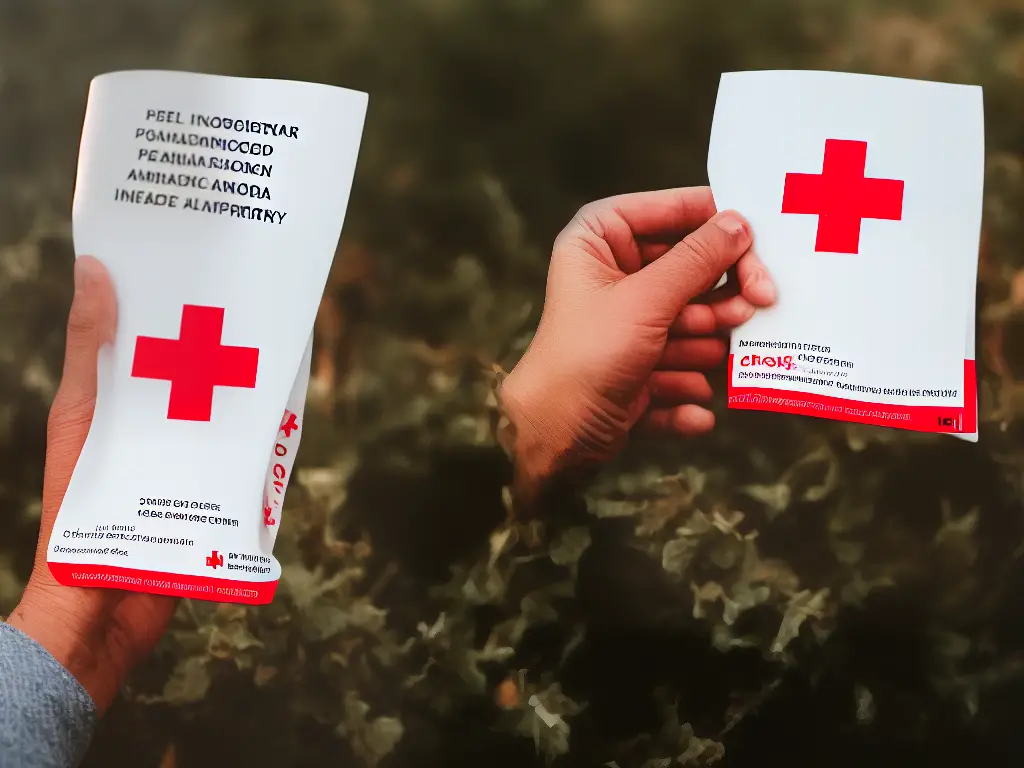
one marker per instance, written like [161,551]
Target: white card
[216,204]
[865,195]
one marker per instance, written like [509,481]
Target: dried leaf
[189,682]
[570,546]
[801,606]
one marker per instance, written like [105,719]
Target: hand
[617,345]
[96,634]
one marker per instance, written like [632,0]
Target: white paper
[870,321]
[282,458]
[216,204]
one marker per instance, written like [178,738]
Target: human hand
[621,342]
[96,634]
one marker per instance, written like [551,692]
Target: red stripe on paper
[919,418]
[171,584]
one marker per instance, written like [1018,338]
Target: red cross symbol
[289,424]
[195,363]
[841,196]
[213,560]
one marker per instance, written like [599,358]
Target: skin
[98,635]
[628,327]
[625,333]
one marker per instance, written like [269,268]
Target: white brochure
[216,204]
[865,198]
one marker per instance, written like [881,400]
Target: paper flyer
[216,204]
[864,194]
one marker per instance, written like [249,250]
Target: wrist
[536,438]
[78,644]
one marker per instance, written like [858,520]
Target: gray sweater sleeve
[46,717]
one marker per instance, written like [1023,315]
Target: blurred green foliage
[786,589]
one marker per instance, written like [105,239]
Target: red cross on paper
[195,363]
[841,196]
[289,424]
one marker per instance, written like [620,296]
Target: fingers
[692,354]
[723,309]
[658,211]
[676,387]
[611,230]
[652,250]
[674,409]
[755,284]
[693,266]
[702,257]
[718,316]
[91,324]
[685,420]
[695,320]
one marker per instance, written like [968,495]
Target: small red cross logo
[213,560]
[289,424]
[195,363]
[841,196]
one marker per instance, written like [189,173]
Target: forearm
[46,716]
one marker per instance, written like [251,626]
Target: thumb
[692,267]
[91,324]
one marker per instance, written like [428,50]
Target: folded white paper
[216,204]
[865,198]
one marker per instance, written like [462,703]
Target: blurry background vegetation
[787,590]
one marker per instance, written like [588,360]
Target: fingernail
[731,224]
